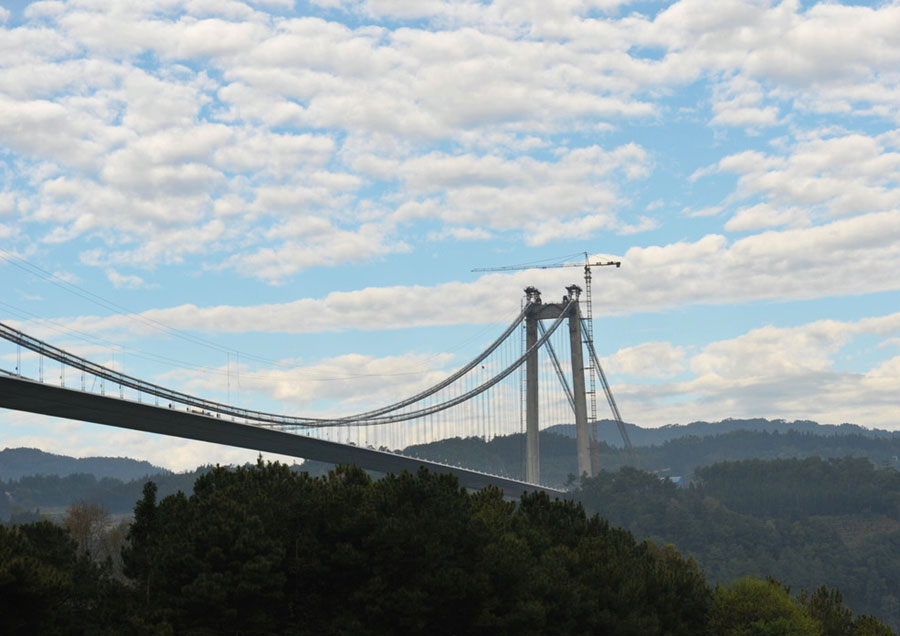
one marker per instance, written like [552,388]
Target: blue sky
[311,183]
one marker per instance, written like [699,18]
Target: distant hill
[22,462]
[608,432]
[672,450]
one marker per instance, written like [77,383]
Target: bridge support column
[582,436]
[532,435]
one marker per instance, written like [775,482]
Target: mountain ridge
[16,463]
[608,432]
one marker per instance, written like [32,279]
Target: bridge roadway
[22,394]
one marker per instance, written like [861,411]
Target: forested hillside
[28,498]
[42,489]
[608,430]
[802,521]
[22,462]
[264,550]
[791,515]
[679,456]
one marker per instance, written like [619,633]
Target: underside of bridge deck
[27,395]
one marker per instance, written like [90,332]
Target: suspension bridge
[485,398]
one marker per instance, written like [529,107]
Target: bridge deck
[22,394]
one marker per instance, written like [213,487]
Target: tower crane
[589,332]
[586,264]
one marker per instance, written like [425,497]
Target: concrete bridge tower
[551,311]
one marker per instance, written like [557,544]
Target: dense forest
[608,431]
[791,515]
[264,549]
[678,456]
[803,521]
[26,497]
[31,497]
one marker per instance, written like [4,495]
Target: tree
[87,523]
[140,549]
[48,587]
[263,549]
[827,607]
[751,607]
[865,625]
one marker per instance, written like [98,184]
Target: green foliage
[266,550]
[53,491]
[755,518]
[799,488]
[865,625]
[750,607]
[827,607]
[678,449]
[46,587]
[504,455]
[608,430]
[684,454]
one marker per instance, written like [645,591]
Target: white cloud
[773,352]
[514,49]
[48,130]
[355,381]
[576,194]
[647,360]
[849,256]
[66,277]
[460,234]
[7,203]
[146,155]
[120,281]
[764,215]
[417,83]
[311,242]
[280,4]
[826,58]
[786,372]
[278,154]
[846,257]
[708,211]
[500,80]
[822,175]
[739,103]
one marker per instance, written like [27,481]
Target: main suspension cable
[42,348]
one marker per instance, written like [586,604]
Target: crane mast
[588,333]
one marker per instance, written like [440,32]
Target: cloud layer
[221,133]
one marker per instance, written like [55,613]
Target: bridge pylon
[551,311]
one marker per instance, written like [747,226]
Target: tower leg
[582,435]
[532,439]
